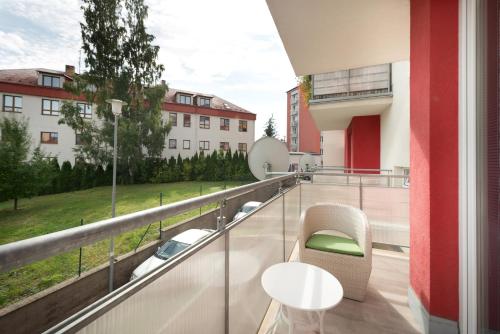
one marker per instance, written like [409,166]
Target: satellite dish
[268,154]
[307,163]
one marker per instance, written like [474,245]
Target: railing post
[360,194]
[300,199]
[161,203]
[283,222]
[80,257]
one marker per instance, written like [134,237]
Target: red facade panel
[362,143]
[434,155]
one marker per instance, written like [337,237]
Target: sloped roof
[26,76]
[217,102]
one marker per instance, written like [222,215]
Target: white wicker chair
[353,272]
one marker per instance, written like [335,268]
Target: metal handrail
[349,169]
[27,251]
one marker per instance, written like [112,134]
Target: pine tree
[270,128]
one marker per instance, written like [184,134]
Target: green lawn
[45,214]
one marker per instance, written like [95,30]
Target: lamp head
[116,106]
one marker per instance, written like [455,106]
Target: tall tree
[270,128]
[16,177]
[122,63]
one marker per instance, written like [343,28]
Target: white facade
[37,123]
[188,139]
[395,122]
[22,96]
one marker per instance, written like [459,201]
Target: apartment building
[302,133]
[204,123]
[200,122]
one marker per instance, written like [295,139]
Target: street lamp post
[116,108]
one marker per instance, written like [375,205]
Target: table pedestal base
[293,318]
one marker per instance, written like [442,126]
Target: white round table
[304,287]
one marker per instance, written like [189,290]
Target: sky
[229,48]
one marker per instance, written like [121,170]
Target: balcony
[215,287]
[338,96]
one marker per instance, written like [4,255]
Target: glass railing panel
[325,193]
[254,245]
[187,299]
[292,216]
[387,210]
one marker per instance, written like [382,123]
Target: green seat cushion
[334,244]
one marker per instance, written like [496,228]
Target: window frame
[171,116]
[188,141]
[13,108]
[203,124]
[51,141]
[240,145]
[187,116]
[242,128]
[203,148]
[52,77]
[170,141]
[86,106]
[223,126]
[221,146]
[51,111]
[182,99]
[203,98]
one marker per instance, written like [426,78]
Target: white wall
[32,111]
[63,150]
[395,121]
[214,135]
[333,147]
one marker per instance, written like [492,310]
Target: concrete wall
[47,308]
[333,147]
[395,121]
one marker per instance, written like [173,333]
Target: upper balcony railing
[352,83]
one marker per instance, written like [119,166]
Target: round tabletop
[302,286]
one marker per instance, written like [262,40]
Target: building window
[321,151]
[243,126]
[294,140]
[203,101]
[224,145]
[49,137]
[187,121]
[173,118]
[242,147]
[50,107]
[186,144]
[172,143]
[184,99]
[204,145]
[51,81]
[85,110]
[204,122]
[12,103]
[224,124]
[78,139]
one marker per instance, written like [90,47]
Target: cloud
[225,47]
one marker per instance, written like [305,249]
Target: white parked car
[169,249]
[246,209]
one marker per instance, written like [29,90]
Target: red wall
[362,142]
[434,155]
[309,135]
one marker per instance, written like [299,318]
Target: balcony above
[328,35]
[338,96]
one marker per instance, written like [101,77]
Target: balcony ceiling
[337,115]
[328,35]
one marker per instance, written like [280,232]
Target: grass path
[46,214]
